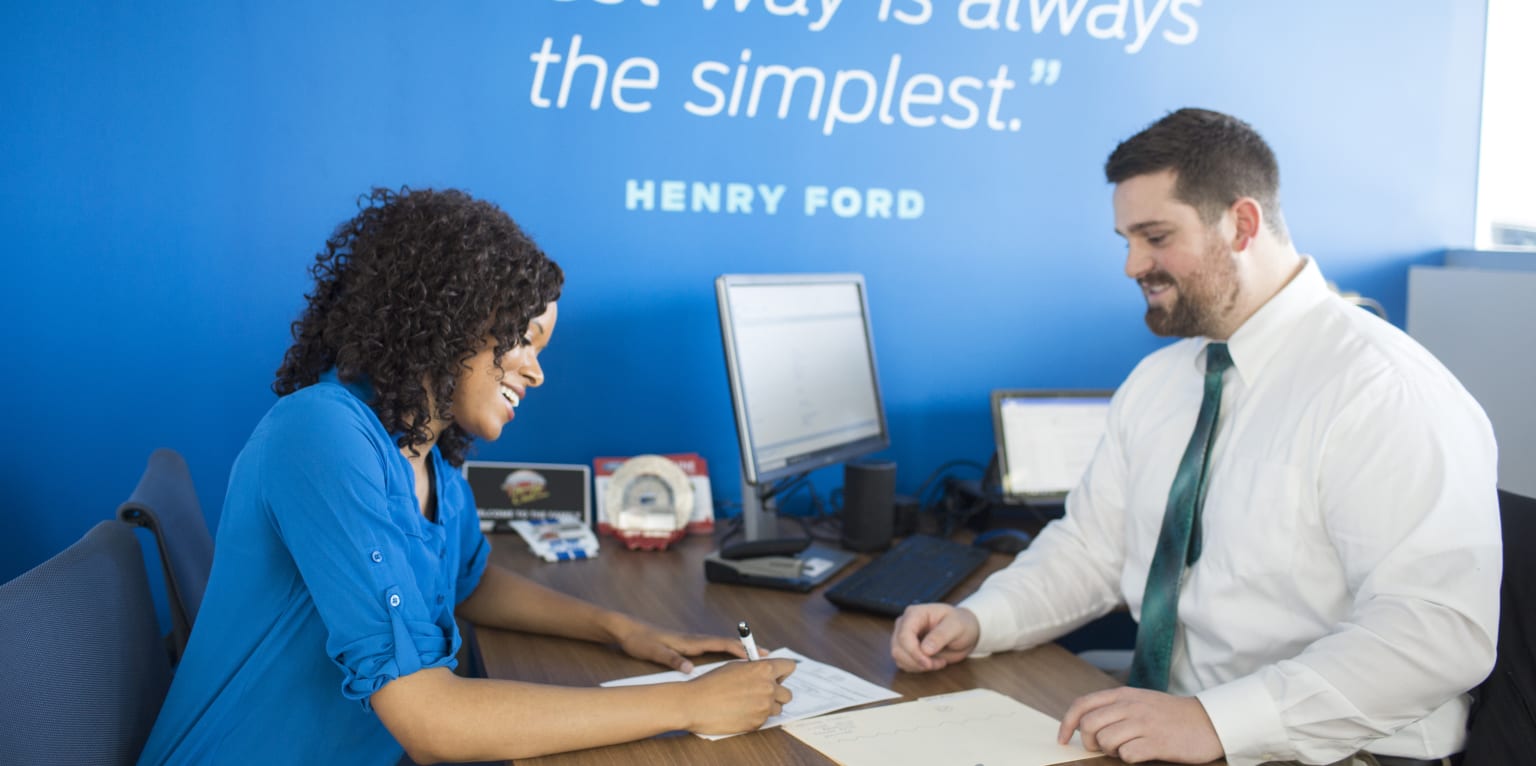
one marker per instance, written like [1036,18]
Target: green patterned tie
[1178,545]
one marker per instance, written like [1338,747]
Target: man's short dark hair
[1216,158]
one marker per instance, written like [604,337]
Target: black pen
[746,639]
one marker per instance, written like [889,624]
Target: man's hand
[933,636]
[1138,725]
[664,647]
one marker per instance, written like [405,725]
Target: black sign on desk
[511,491]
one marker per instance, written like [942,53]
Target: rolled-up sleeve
[330,496]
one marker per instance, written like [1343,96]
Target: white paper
[818,688]
[979,726]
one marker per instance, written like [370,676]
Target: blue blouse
[327,583]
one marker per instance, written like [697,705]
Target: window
[1506,178]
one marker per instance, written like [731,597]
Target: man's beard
[1203,298]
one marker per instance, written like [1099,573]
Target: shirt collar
[1263,335]
[362,388]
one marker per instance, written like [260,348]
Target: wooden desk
[669,589]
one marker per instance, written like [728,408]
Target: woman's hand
[664,647]
[737,696]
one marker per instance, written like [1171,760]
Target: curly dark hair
[405,293]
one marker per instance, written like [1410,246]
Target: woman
[349,541]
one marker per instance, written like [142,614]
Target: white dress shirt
[1347,592]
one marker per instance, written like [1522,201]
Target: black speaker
[907,511]
[869,497]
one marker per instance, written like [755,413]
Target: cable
[956,515]
[922,489]
[779,492]
[786,484]
[928,506]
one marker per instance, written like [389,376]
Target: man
[1296,501]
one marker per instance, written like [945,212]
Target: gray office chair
[1502,729]
[165,503]
[85,668]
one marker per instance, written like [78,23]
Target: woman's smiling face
[490,390]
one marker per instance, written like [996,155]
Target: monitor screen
[1045,439]
[801,362]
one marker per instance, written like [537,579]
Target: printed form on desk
[979,727]
[819,688]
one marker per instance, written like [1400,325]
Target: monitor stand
[769,556]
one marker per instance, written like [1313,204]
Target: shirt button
[394,600]
[377,557]
[441,552]
[439,598]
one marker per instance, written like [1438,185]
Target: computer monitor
[801,361]
[1045,440]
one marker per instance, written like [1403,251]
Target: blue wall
[170,168]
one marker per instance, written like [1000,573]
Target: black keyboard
[918,570]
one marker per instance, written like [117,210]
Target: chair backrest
[165,502]
[85,670]
[1503,725]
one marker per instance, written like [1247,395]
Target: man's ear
[1248,220]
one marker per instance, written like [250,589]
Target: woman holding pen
[349,541]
